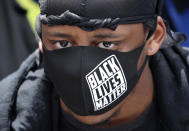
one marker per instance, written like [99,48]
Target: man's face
[125,38]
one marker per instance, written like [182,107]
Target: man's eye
[63,44]
[106,45]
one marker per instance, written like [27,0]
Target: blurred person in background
[176,12]
[17,40]
[101,66]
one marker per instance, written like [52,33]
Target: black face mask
[90,80]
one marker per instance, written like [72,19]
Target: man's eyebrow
[58,34]
[107,35]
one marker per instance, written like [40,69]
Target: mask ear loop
[142,67]
[147,57]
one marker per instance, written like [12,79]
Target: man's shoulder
[170,68]
[186,48]
[16,77]
[18,90]
[172,49]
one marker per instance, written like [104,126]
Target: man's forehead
[121,29]
[72,32]
[99,9]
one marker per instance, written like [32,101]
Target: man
[104,65]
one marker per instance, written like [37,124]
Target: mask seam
[142,67]
[82,62]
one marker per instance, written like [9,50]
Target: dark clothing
[148,121]
[17,40]
[28,101]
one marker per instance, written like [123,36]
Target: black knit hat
[93,14]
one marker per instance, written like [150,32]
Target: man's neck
[136,102]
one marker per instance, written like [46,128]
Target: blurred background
[176,12]
[18,38]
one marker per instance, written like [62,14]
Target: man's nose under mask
[91,80]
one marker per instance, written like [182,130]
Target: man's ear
[38,29]
[155,42]
[40,46]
